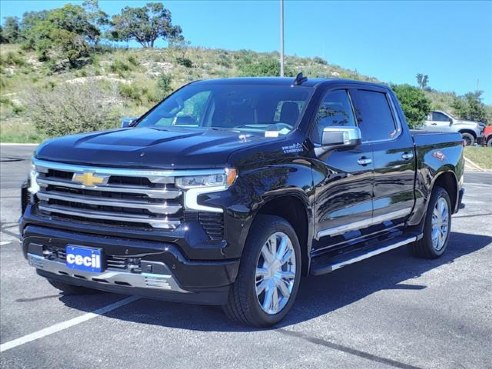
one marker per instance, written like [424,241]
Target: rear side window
[374,115]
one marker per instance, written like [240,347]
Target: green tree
[422,80]
[97,18]
[144,25]
[63,33]
[11,30]
[3,40]
[470,106]
[414,103]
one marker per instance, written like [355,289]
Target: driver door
[343,178]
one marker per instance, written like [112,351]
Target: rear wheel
[437,226]
[489,142]
[269,274]
[72,290]
[468,138]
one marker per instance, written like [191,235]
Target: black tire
[424,248]
[71,289]
[243,305]
[468,138]
[489,142]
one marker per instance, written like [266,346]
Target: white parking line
[66,324]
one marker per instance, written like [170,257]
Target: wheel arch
[293,209]
[447,180]
[470,131]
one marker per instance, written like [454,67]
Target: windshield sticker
[291,149]
[271,133]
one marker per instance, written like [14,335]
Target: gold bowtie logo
[89,179]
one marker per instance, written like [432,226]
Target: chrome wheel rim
[275,273]
[440,224]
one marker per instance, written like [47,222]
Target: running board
[319,267]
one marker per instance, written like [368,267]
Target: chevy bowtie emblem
[89,179]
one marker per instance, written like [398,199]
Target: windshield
[265,110]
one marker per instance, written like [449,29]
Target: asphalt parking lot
[391,311]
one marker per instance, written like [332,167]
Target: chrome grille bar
[153,208]
[163,223]
[157,193]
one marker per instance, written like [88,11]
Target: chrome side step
[323,265]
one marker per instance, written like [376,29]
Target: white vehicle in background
[441,121]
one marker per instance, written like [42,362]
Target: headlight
[224,179]
[34,188]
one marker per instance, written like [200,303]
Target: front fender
[252,190]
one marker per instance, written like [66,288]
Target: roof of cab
[283,81]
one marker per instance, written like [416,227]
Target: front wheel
[489,142]
[269,274]
[437,226]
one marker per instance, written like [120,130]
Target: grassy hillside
[131,81]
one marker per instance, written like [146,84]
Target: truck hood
[155,148]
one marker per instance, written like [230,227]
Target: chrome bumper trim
[109,277]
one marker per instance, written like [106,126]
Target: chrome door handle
[364,161]
[407,155]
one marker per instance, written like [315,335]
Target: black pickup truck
[229,190]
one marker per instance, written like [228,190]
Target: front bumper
[147,268]
[155,286]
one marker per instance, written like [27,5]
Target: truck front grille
[136,197]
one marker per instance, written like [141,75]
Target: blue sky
[451,41]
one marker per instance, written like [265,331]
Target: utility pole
[281,38]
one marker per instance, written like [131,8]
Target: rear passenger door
[393,156]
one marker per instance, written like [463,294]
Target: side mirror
[341,137]
[127,121]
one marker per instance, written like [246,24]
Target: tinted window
[335,110]
[439,117]
[374,115]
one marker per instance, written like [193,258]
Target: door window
[374,115]
[335,110]
[439,117]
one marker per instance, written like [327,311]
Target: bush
[12,58]
[120,67]
[71,108]
[164,84]
[131,92]
[185,62]
[414,103]
[269,67]
[132,60]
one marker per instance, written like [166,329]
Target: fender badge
[292,149]
[439,155]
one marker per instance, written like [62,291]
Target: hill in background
[114,82]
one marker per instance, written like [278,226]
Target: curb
[18,144]
[472,164]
